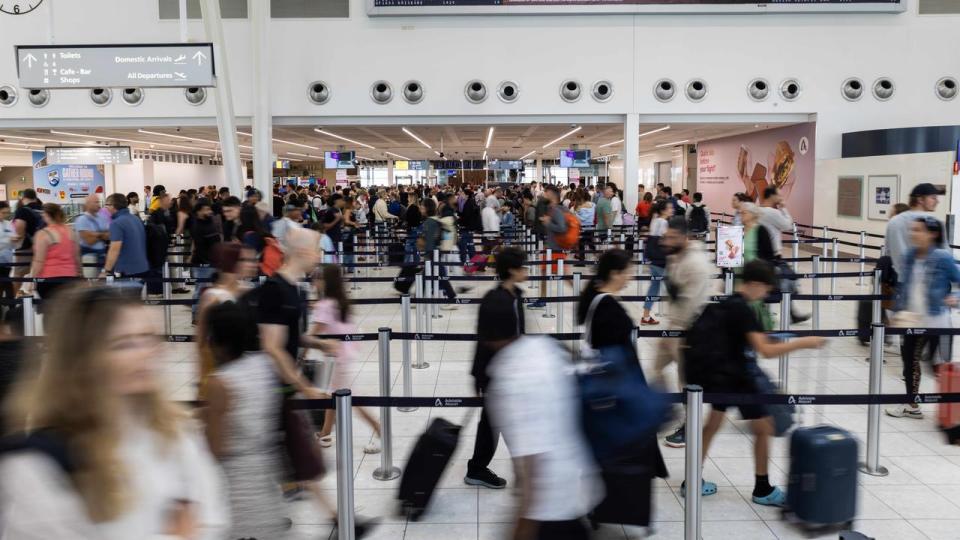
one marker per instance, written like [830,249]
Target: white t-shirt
[491,221]
[533,401]
[617,208]
[658,226]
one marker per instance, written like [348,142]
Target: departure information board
[575,7]
[88,155]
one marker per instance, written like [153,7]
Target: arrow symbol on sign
[199,57]
[29,59]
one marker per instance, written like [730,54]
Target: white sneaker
[373,447]
[449,307]
[905,411]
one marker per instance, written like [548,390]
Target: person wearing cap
[923,201]
[499,318]
[292,216]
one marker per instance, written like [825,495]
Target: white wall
[15,159]
[936,168]
[174,176]
[538,52]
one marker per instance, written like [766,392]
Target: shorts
[747,412]
[555,256]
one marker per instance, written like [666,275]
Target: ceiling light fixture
[366,158]
[564,136]
[288,158]
[651,132]
[484,155]
[281,141]
[610,143]
[646,155]
[672,143]
[414,135]
[342,138]
[396,155]
[134,141]
[172,136]
[299,154]
[525,156]
[42,140]
[489,138]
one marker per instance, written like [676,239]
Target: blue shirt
[97,224]
[128,229]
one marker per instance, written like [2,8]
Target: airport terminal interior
[479,269]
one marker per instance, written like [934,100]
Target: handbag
[619,411]
[782,414]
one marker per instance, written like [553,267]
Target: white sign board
[88,155]
[730,246]
[115,66]
[3,192]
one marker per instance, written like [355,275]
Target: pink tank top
[61,257]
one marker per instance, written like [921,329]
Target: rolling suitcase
[864,320]
[405,279]
[822,489]
[477,263]
[628,496]
[395,253]
[425,466]
[949,413]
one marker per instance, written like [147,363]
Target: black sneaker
[678,439]
[485,478]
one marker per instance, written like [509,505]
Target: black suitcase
[628,496]
[404,280]
[425,466]
[822,488]
[854,535]
[395,252]
[864,320]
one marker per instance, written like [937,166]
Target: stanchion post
[863,241]
[728,282]
[386,471]
[835,256]
[421,324]
[436,283]
[167,296]
[796,249]
[29,317]
[824,245]
[639,269]
[344,427]
[815,287]
[547,273]
[635,338]
[872,464]
[877,303]
[558,291]
[574,325]
[693,466]
[405,346]
[784,327]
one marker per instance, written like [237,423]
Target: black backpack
[698,221]
[157,242]
[707,353]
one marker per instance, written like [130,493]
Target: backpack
[570,238]
[698,219]
[157,242]
[708,358]
[271,258]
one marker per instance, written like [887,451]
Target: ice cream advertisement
[781,157]
[730,247]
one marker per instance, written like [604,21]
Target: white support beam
[226,123]
[262,118]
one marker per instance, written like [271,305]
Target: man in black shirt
[746,341]
[205,234]
[332,219]
[231,218]
[26,221]
[500,318]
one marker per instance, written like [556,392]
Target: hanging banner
[730,246]
[64,184]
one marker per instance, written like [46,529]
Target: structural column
[262,119]
[391,181]
[631,160]
[226,123]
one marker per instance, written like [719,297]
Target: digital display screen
[88,155]
[338,160]
[570,159]
[489,7]
[505,165]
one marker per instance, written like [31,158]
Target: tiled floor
[920,499]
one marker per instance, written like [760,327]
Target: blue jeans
[654,288]
[466,247]
[200,272]
[410,254]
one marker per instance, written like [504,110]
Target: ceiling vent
[883,89]
[570,90]
[413,92]
[381,92]
[133,96]
[947,88]
[696,90]
[664,90]
[8,96]
[38,97]
[852,89]
[508,92]
[758,89]
[195,95]
[790,90]
[475,91]
[101,96]
[602,91]
[318,92]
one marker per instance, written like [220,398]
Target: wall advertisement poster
[65,184]
[730,246]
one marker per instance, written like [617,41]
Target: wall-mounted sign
[883,191]
[115,66]
[580,7]
[88,155]
[850,196]
[730,247]
[65,183]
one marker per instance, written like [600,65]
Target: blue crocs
[776,498]
[706,489]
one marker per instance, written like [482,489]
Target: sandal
[706,488]
[326,441]
[372,447]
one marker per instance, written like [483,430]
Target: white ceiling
[457,142]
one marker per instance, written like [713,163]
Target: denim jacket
[941,273]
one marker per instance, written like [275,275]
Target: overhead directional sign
[88,155]
[116,66]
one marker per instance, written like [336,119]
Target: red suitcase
[949,413]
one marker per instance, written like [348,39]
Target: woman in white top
[8,241]
[491,224]
[116,459]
